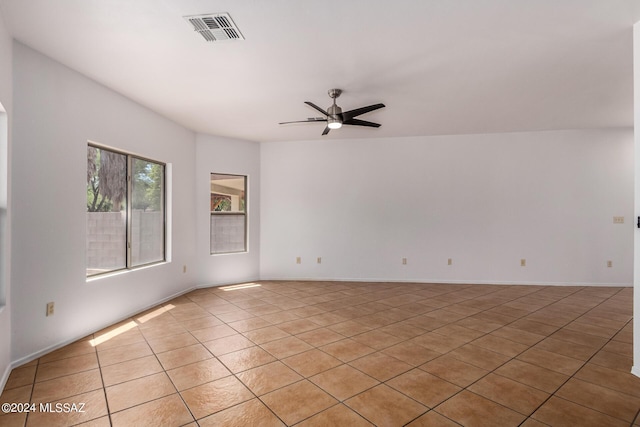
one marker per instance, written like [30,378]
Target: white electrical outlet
[298,260]
[618,220]
[50,307]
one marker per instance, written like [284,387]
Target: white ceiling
[440,66]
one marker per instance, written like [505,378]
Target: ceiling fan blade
[326,130]
[309,120]
[311,104]
[354,113]
[357,122]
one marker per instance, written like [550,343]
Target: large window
[228,213]
[125,211]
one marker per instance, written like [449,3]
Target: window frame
[244,213]
[129,212]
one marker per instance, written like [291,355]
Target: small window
[228,213]
[125,211]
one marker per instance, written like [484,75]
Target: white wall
[6,113]
[56,110]
[486,201]
[636,278]
[224,155]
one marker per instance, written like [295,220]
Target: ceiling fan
[335,118]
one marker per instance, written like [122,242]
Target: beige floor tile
[164,329]
[183,356]
[579,337]
[383,406]
[311,362]
[347,350]
[320,337]
[264,335]
[411,353]
[74,349]
[129,334]
[613,361]
[213,332]
[377,339]
[123,353]
[250,413]
[16,395]
[286,347]
[70,385]
[338,415]
[162,344]
[349,328]
[380,366]
[608,401]
[141,390]
[479,356]
[530,422]
[247,358]
[343,382]
[215,396]
[228,344]
[500,345]
[518,335]
[279,317]
[404,330]
[532,375]
[17,419]
[432,419]
[566,348]
[73,410]
[20,377]
[130,370]
[396,332]
[197,373]
[269,377]
[298,401]
[460,332]
[470,409]
[234,316]
[166,411]
[200,323]
[298,326]
[512,394]
[424,387]
[249,324]
[553,361]
[437,342]
[558,412]
[453,370]
[621,381]
[327,319]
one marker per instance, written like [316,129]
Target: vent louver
[215,27]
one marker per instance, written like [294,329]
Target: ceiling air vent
[215,27]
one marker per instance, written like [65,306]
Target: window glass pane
[228,213]
[106,210]
[147,213]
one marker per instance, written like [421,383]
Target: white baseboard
[635,370]
[447,282]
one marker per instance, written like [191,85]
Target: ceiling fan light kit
[335,118]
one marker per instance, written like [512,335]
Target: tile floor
[349,354]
